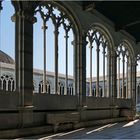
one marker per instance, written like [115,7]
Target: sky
[7,32]
[7,44]
[7,41]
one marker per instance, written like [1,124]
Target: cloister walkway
[123,130]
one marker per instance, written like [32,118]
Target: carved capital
[45,27]
[25,16]
[66,36]
[56,31]
[30,18]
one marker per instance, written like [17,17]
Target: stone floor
[124,130]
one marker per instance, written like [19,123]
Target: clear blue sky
[7,43]
[7,31]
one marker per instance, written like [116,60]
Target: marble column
[133,96]
[113,78]
[129,78]
[24,56]
[24,62]
[81,69]
[114,75]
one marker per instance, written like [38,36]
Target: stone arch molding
[105,32]
[68,11]
[129,46]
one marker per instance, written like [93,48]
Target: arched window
[61,88]
[97,52]
[4,85]
[56,36]
[123,67]
[70,89]
[7,83]
[48,87]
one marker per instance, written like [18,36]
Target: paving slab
[123,130]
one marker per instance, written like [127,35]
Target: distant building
[7,78]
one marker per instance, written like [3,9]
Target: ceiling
[124,14]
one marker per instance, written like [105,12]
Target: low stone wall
[123,103]
[9,100]
[54,102]
[97,103]
[13,116]
[9,120]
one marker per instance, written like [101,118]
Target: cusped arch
[128,45]
[7,82]
[61,83]
[68,11]
[100,27]
[61,87]
[48,86]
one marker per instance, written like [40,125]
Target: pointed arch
[59,14]
[100,40]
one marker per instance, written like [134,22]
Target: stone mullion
[56,32]
[108,75]
[118,78]
[127,77]
[130,80]
[111,78]
[123,74]
[97,83]
[74,70]
[90,94]
[104,71]
[44,71]
[75,64]
[66,76]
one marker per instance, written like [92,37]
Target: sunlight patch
[131,123]
[101,128]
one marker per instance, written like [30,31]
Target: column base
[26,116]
